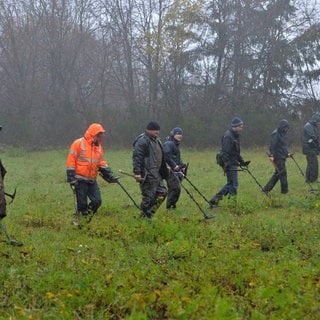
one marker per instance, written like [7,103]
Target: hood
[283,126]
[315,118]
[93,130]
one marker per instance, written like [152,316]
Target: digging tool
[9,239]
[302,173]
[128,174]
[205,216]
[12,196]
[256,181]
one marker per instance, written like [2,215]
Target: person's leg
[3,203]
[161,193]
[312,168]
[174,190]
[229,188]
[82,194]
[283,176]
[272,182]
[95,197]
[148,191]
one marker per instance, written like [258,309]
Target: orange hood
[93,130]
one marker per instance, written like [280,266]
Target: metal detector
[205,216]
[76,219]
[9,239]
[256,181]
[195,188]
[128,194]
[302,173]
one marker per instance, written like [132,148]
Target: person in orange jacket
[84,161]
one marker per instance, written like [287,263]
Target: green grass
[258,259]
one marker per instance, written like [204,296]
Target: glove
[71,177]
[107,175]
[244,163]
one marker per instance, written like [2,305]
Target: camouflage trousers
[154,193]
[3,203]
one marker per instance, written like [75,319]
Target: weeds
[258,259]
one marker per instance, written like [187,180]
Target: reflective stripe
[88,160]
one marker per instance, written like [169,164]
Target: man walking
[3,203]
[150,169]
[230,154]
[311,147]
[171,149]
[84,161]
[278,153]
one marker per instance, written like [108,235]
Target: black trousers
[312,167]
[174,189]
[279,174]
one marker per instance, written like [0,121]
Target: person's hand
[290,155]
[138,177]
[74,183]
[176,168]
[244,163]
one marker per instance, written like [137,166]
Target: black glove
[107,175]
[244,163]
[71,177]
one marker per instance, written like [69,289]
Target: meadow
[257,259]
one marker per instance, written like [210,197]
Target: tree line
[194,64]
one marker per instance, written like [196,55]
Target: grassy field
[258,259]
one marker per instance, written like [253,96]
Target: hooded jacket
[310,137]
[230,148]
[145,156]
[85,156]
[171,152]
[278,142]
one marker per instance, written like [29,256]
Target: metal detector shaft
[198,205]
[195,188]
[257,182]
[301,171]
[9,239]
[127,193]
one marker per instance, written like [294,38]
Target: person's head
[177,133]
[315,118]
[95,132]
[283,126]
[236,124]
[153,128]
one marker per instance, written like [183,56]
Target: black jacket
[278,141]
[171,152]
[230,148]
[145,156]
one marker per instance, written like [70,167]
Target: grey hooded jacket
[310,137]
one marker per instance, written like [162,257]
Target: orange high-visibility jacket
[84,157]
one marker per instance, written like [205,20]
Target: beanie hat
[176,130]
[236,122]
[153,126]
